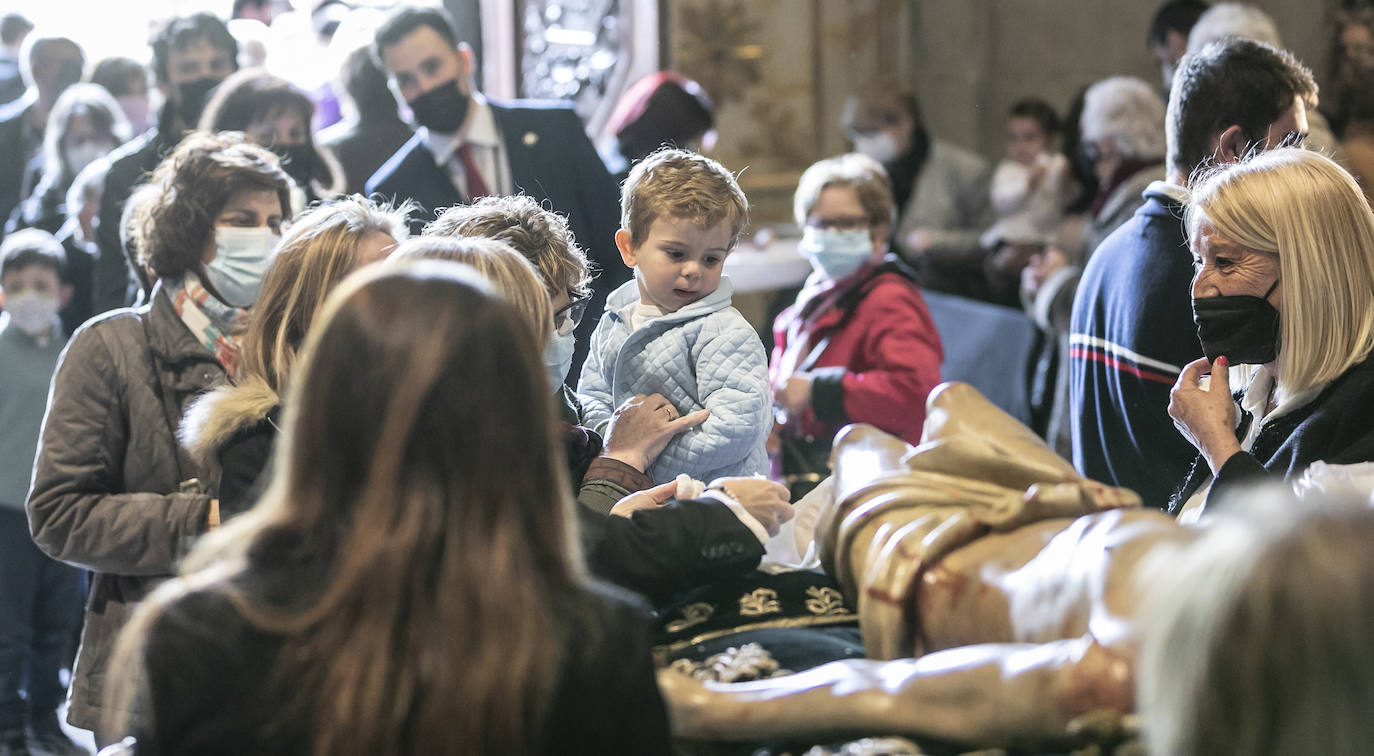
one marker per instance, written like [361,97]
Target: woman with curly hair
[112,491]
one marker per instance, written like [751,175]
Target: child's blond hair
[681,184]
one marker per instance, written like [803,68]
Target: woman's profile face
[250,208]
[1222,268]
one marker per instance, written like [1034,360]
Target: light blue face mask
[242,256]
[558,357]
[836,254]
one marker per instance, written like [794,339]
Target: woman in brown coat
[112,492]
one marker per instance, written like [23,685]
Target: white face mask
[558,357]
[242,256]
[84,154]
[881,146]
[836,254]
[32,313]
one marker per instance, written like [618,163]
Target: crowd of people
[297,397]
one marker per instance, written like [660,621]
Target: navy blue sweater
[1131,334]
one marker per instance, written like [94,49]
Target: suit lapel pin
[530,139]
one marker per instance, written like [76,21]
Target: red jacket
[882,360]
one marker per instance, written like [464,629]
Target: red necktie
[477,188]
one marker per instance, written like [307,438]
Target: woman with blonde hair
[410,583]
[1283,245]
[237,425]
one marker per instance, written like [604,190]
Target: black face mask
[441,109]
[298,160]
[191,96]
[1244,328]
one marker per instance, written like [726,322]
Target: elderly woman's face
[1223,268]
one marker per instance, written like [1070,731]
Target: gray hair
[1258,639]
[1233,20]
[1127,111]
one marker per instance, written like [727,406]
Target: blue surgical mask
[558,357]
[836,254]
[242,256]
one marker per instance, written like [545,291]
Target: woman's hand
[794,395]
[650,498]
[764,499]
[642,426]
[1206,415]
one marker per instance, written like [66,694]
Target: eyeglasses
[844,223]
[569,316]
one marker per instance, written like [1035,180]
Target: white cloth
[644,314]
[488,151]
[1025,214]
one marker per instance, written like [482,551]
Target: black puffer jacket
[112,490]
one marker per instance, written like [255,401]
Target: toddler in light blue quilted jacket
[672,330]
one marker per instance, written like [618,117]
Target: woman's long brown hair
[420,488]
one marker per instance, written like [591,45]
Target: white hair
[1233,20]
[1127,111]
[1258,638]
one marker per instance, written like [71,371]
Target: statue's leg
[988,695]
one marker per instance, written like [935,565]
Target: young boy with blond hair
[672,330]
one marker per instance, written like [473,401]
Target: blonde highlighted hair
[505,269]
[863,173]
[542,236]
[316,253]
[1307,210]
[680,184]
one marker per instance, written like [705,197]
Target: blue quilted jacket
[704,355]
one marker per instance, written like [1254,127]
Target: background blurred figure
[77,236]
[127,81]
[371,130]
[1168,35]
[40,598]
[661,108]
[191,56]
[1249,22]
[941,190]
[86,124]
[1352,64]
[859,345]
[273,113]
[1259,641]
[1029,191]
[50,65]
[13,29]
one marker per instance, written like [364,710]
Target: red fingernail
[1221,361]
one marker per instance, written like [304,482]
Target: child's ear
[627,250]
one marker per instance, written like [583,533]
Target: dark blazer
[20,145]
[552,160]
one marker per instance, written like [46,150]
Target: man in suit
[466,147]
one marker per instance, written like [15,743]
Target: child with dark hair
[40,598]
[1028,186]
